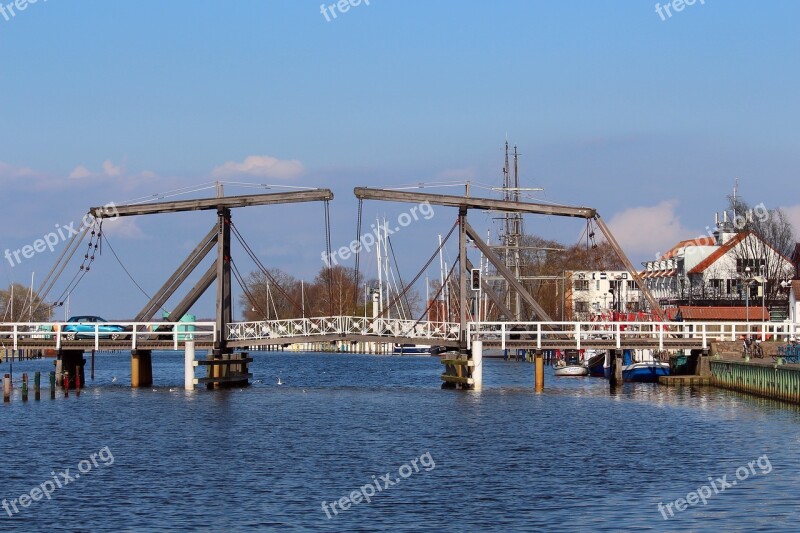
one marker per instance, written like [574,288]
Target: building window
[632,286]
[581,307]
[582,285]
[754,264]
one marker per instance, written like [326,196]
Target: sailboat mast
[380,268]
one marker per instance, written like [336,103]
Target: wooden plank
[455,379]
[211,362]
[486,204]
[213,203]
[464,362]
[229,379]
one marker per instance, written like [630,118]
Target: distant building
[589,294]
[717,270]
[794,287]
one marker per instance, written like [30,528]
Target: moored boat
[411,349]
[565,370]
[638,366]
[571,365]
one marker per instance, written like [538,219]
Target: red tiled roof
[719,252]
[734,314]
[697,241]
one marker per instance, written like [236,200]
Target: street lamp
[747,299]
[763,291]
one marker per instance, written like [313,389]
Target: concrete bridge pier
[141,368]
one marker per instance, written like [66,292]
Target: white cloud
[80,172]
[793,212]
[649,229]
[110,170]
[124,228]
[12,171]
[261,166]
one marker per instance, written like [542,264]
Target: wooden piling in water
[539,371]
[141,368]
[52,385]
[7,388]
[24,386]
[37,385]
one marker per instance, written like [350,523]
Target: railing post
[618,334]
[503,336]
[660,336]
[705,336]
[16,332]
[578,335]
[133,337]
[538,335]
[175,337]
[96,336]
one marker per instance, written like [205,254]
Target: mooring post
[92,365]
[52,385]
[703,368]
[7,388]
[188,366]
[615,377]
[477,361]
[539,371]
[24,386]
[37,385]
[59,373]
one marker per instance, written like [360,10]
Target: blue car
[83,327]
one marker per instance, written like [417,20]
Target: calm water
[575,457]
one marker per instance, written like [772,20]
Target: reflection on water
[574,457]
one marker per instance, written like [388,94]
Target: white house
[717,268]
[591,293]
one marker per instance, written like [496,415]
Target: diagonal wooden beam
[508,275]
[178,277]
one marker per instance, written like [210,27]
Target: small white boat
[564,369]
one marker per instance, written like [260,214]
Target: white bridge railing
[342,326]
[584,332]
[59,332]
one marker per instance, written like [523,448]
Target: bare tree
[19,309]
[768,254]
[276,296]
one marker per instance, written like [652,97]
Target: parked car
[83,327]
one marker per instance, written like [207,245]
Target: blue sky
[648,121]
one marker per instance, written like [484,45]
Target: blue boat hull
[647,372]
